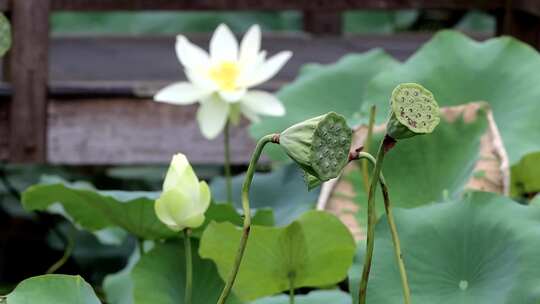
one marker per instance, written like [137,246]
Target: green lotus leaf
[425,169]
[536,201]
[159,276]
[95,210]
[5,35]
[482,248]
[53,289]
[458,70]
[315,250]
[118,287]
[526,175]
[379,21]
[336,87]
[101,211]
[288,203]
[314,297]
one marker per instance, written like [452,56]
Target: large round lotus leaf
[159,277]
[458,70]
[316,250]
[318,90]
[96,210]
[314,297]
[5,35]
[480,249]
[53,289]
[427,168]
[288,203]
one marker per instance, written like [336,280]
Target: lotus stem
[227,164]
[291,289]
[65,257]
[272,138]
[387,143]
[393,228]
[189,266]
[367,145]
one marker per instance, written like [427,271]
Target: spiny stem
[291,289]
[386,144]
[247,214]
[227,148]
[189,266]
[367,144]
[393,230]
[65,257]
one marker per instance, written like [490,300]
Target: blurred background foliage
[354,22]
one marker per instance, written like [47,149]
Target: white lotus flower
[220,81]
[184,199]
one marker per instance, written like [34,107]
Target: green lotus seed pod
[414,111]
[320,146]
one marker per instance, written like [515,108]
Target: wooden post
[321,22]
[522,25]
[29,74]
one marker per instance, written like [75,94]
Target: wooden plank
[270,5]
[532,7]
[4,5]
[138,67]
[141,65]
[527,6]
[4,127]
[124,131]
[29,57]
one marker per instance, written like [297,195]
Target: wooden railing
[88,100]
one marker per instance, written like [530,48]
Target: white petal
[247,72]
[204,197]
[223,45]
[190,55]
[200,79]
[233,96]
[212,116]
[252,116]
[250,46]
[270,68]
[263,103]
[182,177]
[181,93]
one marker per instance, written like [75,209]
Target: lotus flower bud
[184,199]
[414,111]
[320,146]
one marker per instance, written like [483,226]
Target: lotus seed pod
[320,146]
[414,111]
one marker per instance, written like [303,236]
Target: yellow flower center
[225,75]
